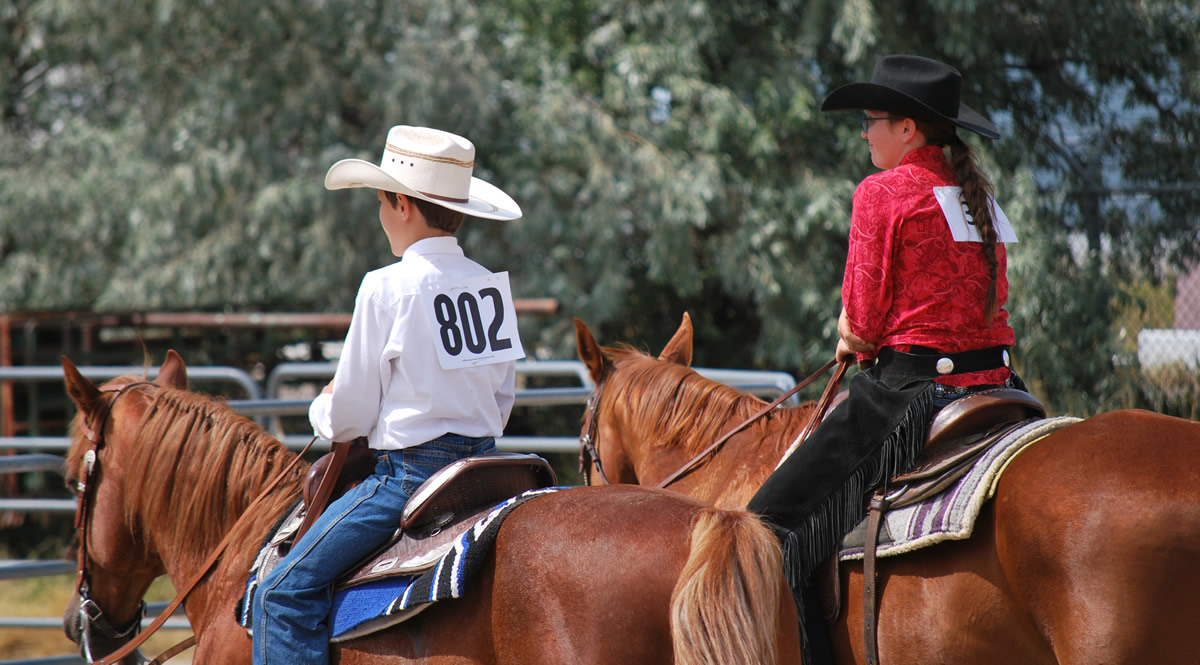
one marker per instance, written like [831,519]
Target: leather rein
[90,613]
[589,453]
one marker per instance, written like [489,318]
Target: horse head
[653,420]
[599,440]
[605,455]
[115,563]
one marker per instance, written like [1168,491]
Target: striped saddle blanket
[374,605]
[951,514]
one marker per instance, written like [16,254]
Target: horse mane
[678,406]
[201,465]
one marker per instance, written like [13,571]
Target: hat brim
[484,199]
[856,96]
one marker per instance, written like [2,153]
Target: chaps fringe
[822,531]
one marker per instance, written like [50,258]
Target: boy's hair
[436,217]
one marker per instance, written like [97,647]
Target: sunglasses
[867,120]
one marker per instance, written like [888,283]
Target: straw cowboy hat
[427,164]
[913,87]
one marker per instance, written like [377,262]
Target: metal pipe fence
[50,373]
[265,404]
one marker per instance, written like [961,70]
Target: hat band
[444,198]
[433,158]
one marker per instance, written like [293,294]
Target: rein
[89,610]
[822,406]
[695,461]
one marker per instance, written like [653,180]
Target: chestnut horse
[582,575]
[1087,554]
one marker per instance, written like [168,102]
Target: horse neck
[210,600]
[206,486]
[761,448]
[244,532]
[791,422]
[731,474]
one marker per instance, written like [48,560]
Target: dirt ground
[46,597]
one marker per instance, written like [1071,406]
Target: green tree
[668,156]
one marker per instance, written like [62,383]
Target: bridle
[589,453]
[91,617]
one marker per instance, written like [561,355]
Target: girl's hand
[843,351]
[850,342]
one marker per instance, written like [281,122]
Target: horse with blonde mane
[1086,553]
[581,575]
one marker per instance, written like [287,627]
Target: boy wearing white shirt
[426,374]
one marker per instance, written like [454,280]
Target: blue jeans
[291,608]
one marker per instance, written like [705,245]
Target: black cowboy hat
[913,87]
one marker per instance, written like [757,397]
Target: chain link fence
[1168,354]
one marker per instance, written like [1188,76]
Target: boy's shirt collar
[436,245]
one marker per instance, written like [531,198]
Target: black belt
[931,363]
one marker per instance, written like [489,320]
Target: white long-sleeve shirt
[389,385]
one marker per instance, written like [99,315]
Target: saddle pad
[951,514]
[366,608]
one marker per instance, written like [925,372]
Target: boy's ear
[406,207]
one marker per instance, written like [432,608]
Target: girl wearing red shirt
[923,301]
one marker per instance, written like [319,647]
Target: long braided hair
[977,194]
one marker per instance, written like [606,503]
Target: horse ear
[173,372]
[679,349]
[590,352]
[80,388]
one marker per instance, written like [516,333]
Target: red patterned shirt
[907,281]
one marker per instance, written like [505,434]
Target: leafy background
[669,156]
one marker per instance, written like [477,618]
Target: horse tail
[725,606]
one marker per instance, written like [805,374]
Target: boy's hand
[328,388]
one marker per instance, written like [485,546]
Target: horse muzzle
[85,624]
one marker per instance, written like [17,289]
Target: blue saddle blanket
[366,608]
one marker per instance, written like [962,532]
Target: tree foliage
[669,156]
